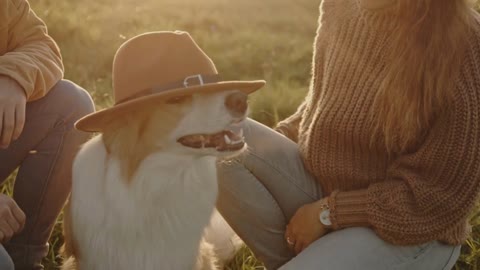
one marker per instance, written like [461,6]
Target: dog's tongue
[227,140]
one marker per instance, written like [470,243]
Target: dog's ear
[135,135]
[124,139]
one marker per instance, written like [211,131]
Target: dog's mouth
[223,141]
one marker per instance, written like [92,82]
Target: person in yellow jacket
[37,113]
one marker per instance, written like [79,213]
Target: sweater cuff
[286,130]
[349,209]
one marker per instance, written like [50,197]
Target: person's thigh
[254,215]
[361,248]
[6,262]
[262,189]
[276,162]
[44,153]
[60,108]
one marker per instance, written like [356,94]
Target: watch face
[325,217]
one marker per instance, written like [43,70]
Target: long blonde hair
[429,42]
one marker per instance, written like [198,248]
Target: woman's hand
[12,110]
[12,218]
[305,227]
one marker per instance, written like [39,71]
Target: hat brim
[95,122]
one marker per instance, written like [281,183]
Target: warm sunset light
[239,134]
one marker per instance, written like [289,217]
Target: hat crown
[156,59]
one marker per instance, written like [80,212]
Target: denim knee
[72,99]
[6,262]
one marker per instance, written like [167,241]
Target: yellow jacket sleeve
[32,58]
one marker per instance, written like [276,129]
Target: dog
[144,189]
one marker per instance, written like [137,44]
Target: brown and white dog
[144,190]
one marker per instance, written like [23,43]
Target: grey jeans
[261,190]
[44,153]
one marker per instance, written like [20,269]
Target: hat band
[190,81]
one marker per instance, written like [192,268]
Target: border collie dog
[144,190]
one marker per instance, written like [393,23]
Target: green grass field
[250,39]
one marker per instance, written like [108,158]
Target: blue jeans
[261,191]
[44,153]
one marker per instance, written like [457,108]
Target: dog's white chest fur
[154,221]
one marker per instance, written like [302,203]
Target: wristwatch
[324,215]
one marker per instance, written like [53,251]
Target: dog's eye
[177,100]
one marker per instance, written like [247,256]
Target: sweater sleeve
[429,191]
[290,126]
[33,59]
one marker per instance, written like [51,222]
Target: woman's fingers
[19,120]
[298,247]
[287,233]
[12,123]
[10,219]
[8,126]
[18,214]
[289,237]
[9,223]
[13,224]
[6,230]
[295,242]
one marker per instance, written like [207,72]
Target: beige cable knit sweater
[409,198]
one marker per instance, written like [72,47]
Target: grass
[268,39]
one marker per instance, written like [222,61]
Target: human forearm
[290,126]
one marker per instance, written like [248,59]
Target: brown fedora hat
[157,66]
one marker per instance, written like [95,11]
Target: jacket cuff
[349,209]
[19,81]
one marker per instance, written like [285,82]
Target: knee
[266,143]
[6,262]
[230,175]
[238,190]
[74,99]
[224,168]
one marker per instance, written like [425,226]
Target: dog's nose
[236,104]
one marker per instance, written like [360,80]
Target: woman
[386,166]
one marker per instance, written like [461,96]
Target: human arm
[289,127]
[33,59]
[29,69]
[427,194]
[430,191]
[305,226]
[12,110]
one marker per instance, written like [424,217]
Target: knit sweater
[411,197]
